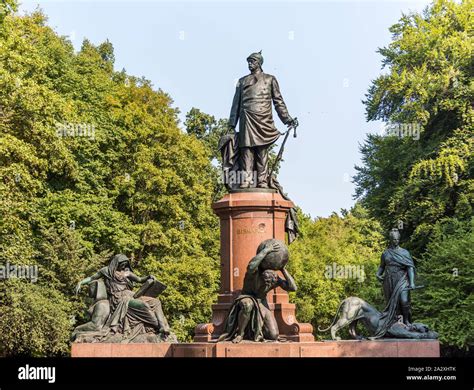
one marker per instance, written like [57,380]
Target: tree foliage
[429,83]
[447,302]
[424,182]
[351,245]
[92,162]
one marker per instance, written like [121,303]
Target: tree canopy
[335,258]
[92,162]
[424,184]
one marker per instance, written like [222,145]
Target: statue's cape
[400,256]
[389,315]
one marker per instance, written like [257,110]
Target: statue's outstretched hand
[379,278]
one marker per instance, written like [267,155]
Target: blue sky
[323,54]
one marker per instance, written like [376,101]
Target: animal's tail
[334,319]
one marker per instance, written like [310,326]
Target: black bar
[280,371]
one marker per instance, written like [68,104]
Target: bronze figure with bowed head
[120,314]
[250,316]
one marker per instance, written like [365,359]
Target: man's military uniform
[252,108]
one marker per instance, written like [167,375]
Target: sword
[413,288]
[293,127]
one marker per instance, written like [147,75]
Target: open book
[151,288]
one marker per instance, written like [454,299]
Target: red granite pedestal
[345,348]
[246,219]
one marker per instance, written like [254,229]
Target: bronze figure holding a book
[120,315]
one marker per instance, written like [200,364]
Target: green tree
[6,8]
[207,129]
[447,302]
[424,182]
[92,162]
[34,319]
[429,84]
[348,242]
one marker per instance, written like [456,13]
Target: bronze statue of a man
[397,274]
[250,316]
[252,108]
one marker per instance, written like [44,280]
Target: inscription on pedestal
[252,230]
